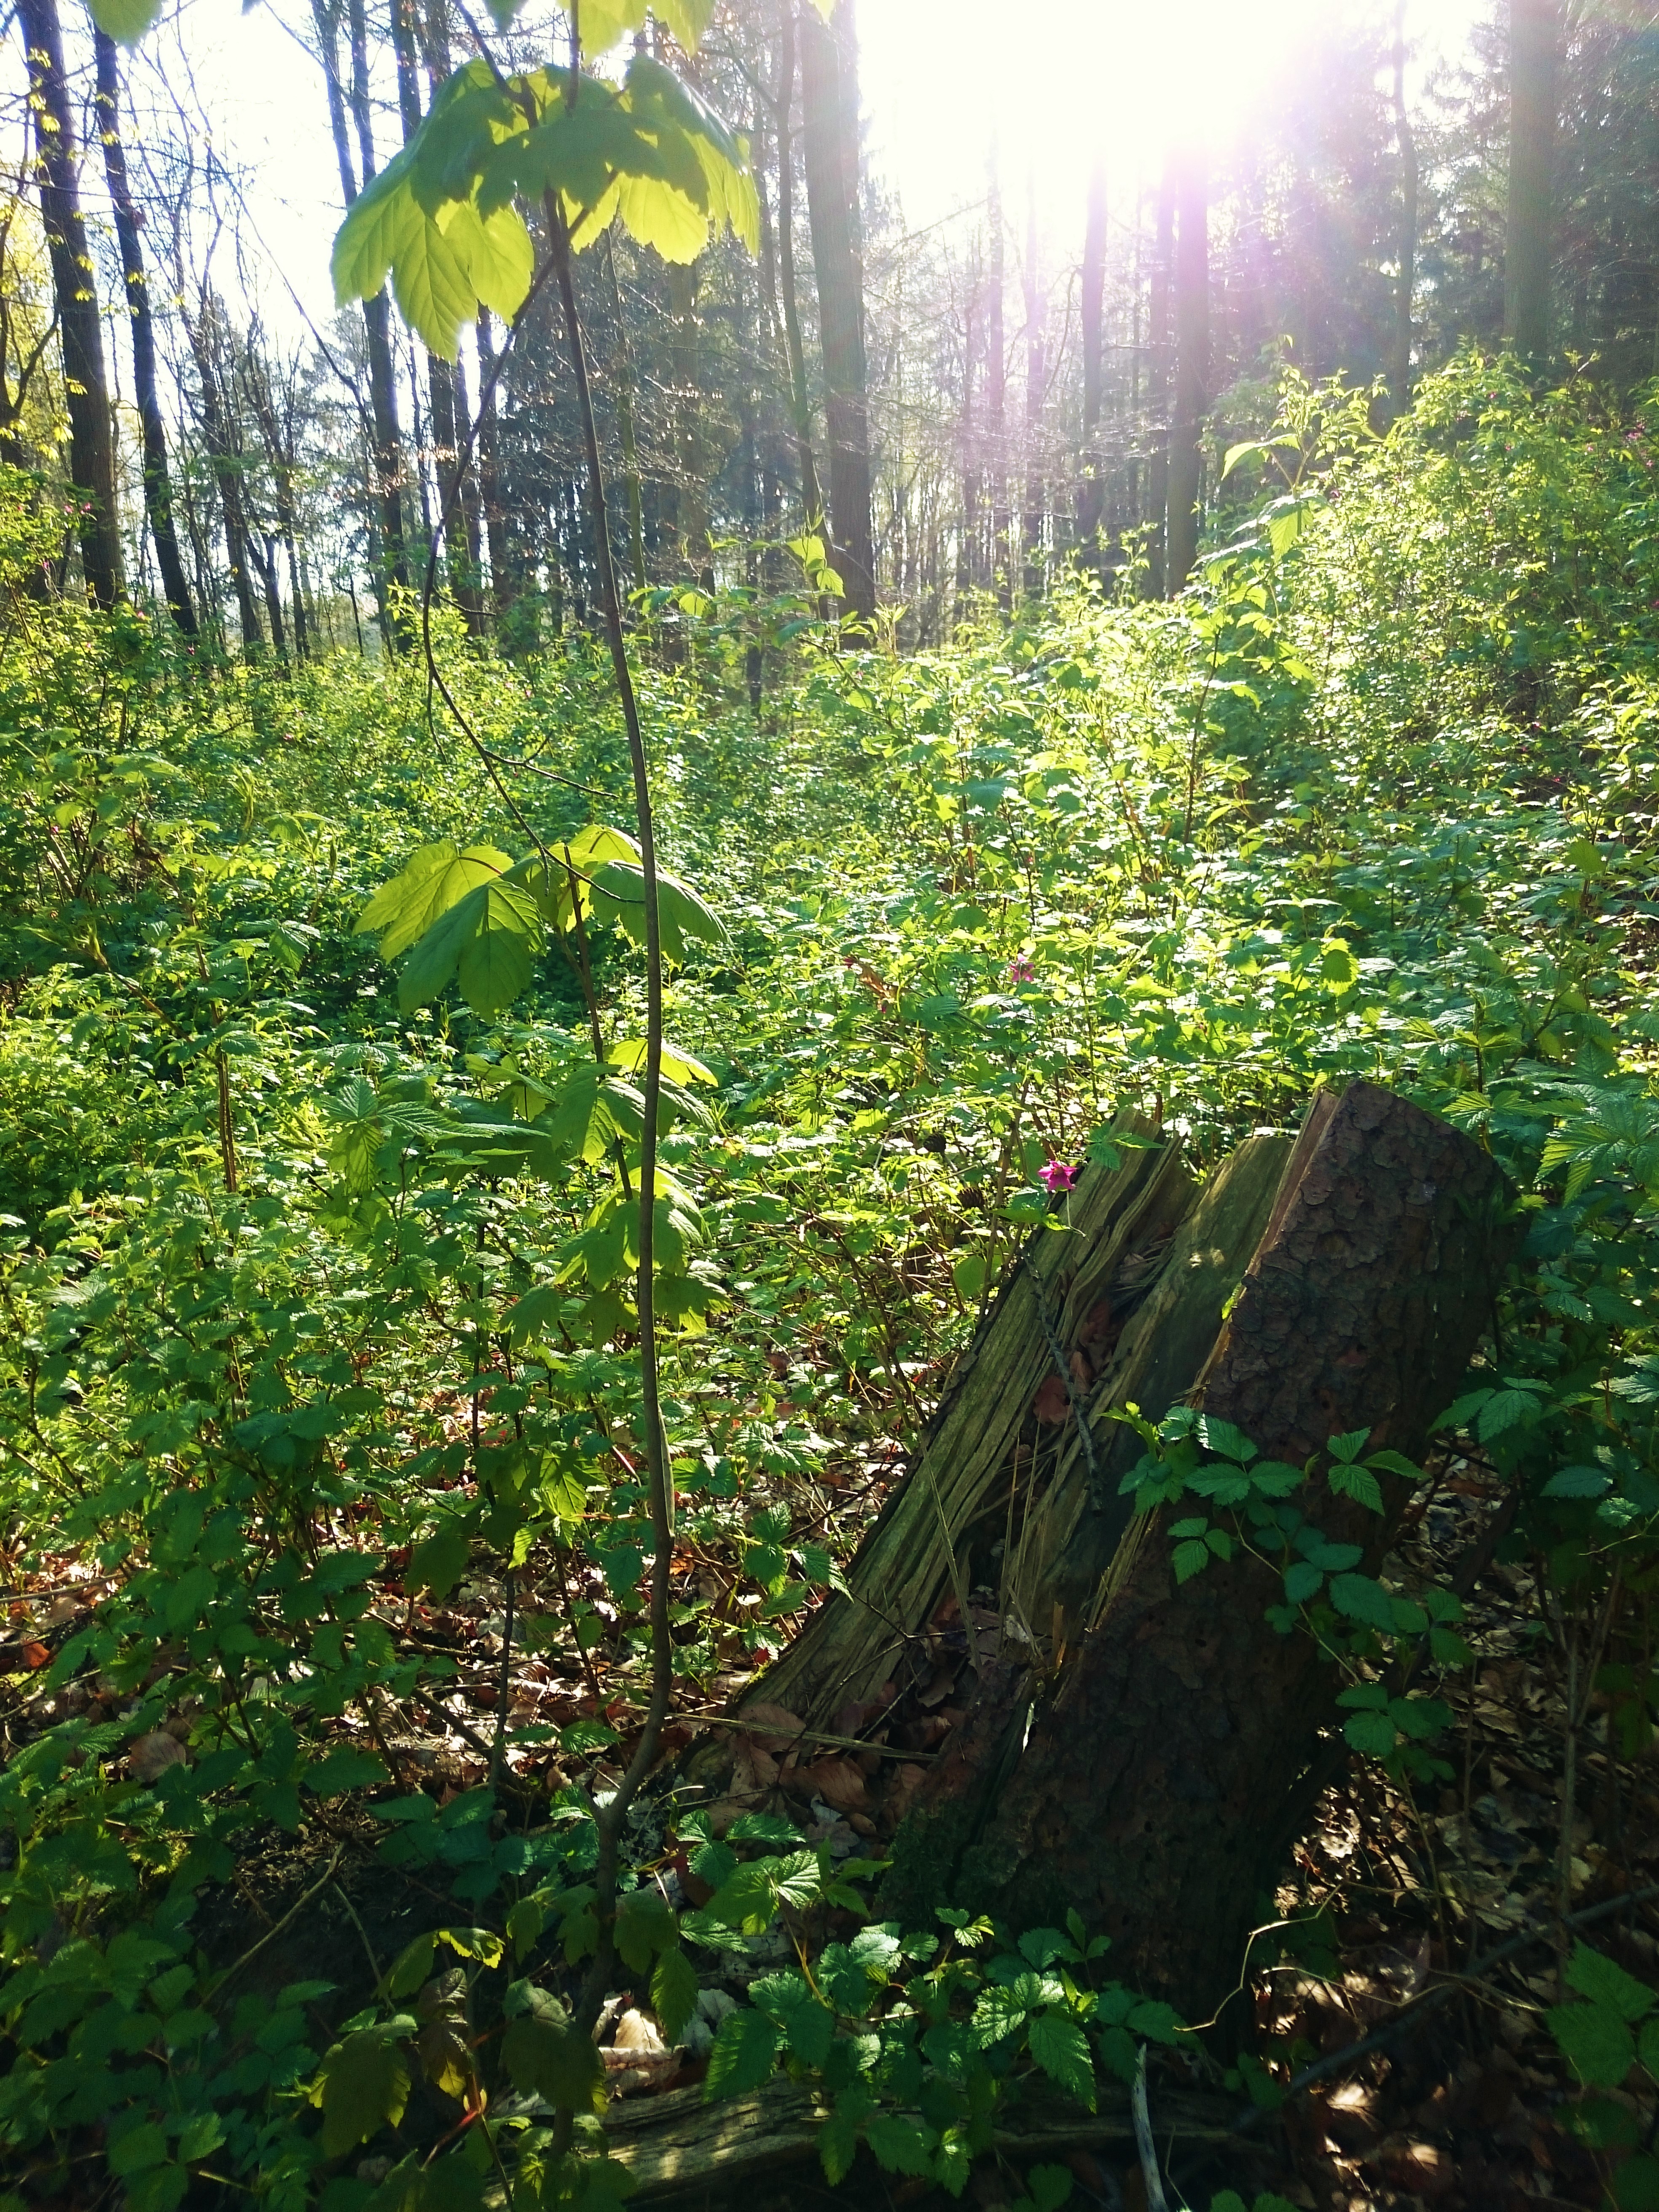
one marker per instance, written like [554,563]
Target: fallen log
[679,2150]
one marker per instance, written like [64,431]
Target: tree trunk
[79,333]
[691,491]
[1092,484]
[800,404]
[503,581]
[1158,388]
[681,2151]
[392,565]
[1035,376]
[1192,324]
[1535,37]
[1143,1750]
[226,463]
[158,494]
[1400,359]
[996,394]
[825,53]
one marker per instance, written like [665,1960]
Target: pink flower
[1058,1176]
[1021,971]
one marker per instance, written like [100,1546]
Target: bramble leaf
[362,2084]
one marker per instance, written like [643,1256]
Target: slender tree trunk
[392,565]
[996,397]
[503,583]
[622,384]
[823,55]
[690,496]
[800,404]
[226,465]
[158,495]
[1091,483]
[1535,41]
[1159,350]
[80,331]
[1192,322]
[1400,362]
[968,440]
[1036,377]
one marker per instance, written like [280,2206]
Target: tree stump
[1144,1751]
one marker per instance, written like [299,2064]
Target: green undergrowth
[316,1273]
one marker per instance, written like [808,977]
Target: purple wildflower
[1058,1176]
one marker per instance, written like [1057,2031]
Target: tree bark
[80,332]
[1092,484]
[1400,359]
[158,492]
[1036,377]
[1158,388]
[204,332]
[391,567]
[824,54]
[996,392]
[1192,325]
[800,404]
[503,580]
[1143,1750]
[1161,1784]
[1535,38]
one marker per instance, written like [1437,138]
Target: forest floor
[1394,1900]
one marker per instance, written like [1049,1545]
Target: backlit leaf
[364,2084]
[744,2053]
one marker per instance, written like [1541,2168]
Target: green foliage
[440,218]
[1374,801]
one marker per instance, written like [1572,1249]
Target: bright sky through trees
[1046,81]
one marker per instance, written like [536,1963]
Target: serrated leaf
[1578,1482]
[550,2058]
[901,2146]
[1360,1484]
[1191,1559]
[429,882]
[673,1992]
[618,895]
[362,2085]
[1223,1438]
[1156,2021]
[1597,2042]
[743,2055]
[1048,2187]
[1597,1977]
[438,1561]
[1363,1599]
[645,1926]
[1061,2049]
[1505,1410]
[1303,1581]
[1371,1733]
[485,941]
[838,2145]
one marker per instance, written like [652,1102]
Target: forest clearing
[829,1135]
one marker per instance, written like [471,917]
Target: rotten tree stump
[1163,1780]
[1143,1751]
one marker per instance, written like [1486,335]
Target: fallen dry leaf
[839,1782]
[772,1727]
[151,1755]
